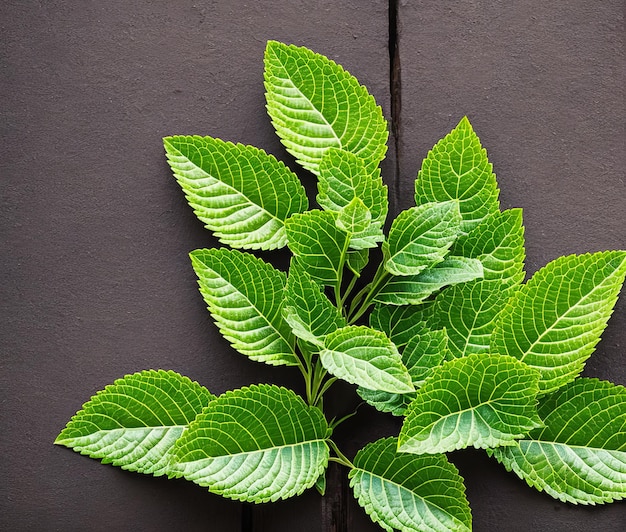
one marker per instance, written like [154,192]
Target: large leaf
[240,192]
[580,454]
[469,312]
[318,244]
[555,320]
[413,289]
[479,400]
[344,178]
[457,169]
[257,444]
[365,356]
[308,311]
[420,237]
[422,354]
[134,422]
[408,492]
[315,104]
[245,297]
[498,241]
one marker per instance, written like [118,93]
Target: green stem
[340,458]
[365,297]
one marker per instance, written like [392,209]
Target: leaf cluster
[443,332]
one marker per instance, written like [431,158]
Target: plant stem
[340,458]
[364,298]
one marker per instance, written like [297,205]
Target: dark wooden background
[95,232]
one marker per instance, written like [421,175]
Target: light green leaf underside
[555,320]
[240,192]
[257,444]
[420,237]
[457,168]
[307,310]
[498,242]
[399,323]
[580,455]
[422,354]
[479,400]
[134,422]
[366,357]
[318,244]
[414,289]
[469,312]
[407,492]
[245,297]
[344,178]
[315,104]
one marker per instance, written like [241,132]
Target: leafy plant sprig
[445,333]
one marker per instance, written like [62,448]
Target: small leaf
[555,320]
[257,444]
[355,217]
[308,311]
[469,312]
[457,168]
[318,244]
[357,260]
[134,422]
[414,289]
[420,237]
[364,356]
[580,454]
[245,297]
[240,192]
[407,492]
[498,242]
[479,400]
[315,104]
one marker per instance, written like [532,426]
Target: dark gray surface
[95,232]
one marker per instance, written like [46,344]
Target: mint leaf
[420,237]
[307,310]
[414,289]
[457,168]
[407,492]
[257,444]
[479,400]
[245,297]
[555,320]
[134,422]
[240,192]
[364,356]
[580,454]
[319,245]
[498,242]
[315,104]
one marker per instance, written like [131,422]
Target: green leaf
[134,422]
[364,356]
[457,169]
[245,297]
[422,354]
[555,320]
[469,312]
[357,260]
[240,192]
[580,454]
[344,178]
[420,237]
[407,492]
[355,217]
[479,400]
[319,245]
[315,104]
[307,310]
[498,242]
[399,323]
[414,289]
[257,444]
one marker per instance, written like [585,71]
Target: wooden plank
[543,85]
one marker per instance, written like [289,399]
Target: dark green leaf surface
[134,422]
[408,492]
[257,444]
[399,323]
[245,297]
[580,454]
